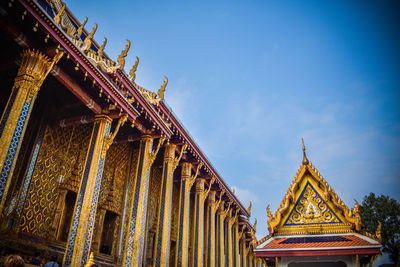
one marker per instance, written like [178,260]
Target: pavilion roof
[311,245]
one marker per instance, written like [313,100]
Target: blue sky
[248,79]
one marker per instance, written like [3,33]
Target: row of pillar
[219,246]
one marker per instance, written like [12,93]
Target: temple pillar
[251,260]
[137,208]
[32,72]
[230,239]
[162,239]
[80,235]
[243,261]
[198,225]
[220,217]
[246,255]
[235,229]
[197,241]
[210,228]
[182,247]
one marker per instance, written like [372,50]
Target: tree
[387,211]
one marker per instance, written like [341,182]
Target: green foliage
[387,211]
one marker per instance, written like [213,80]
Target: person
[14,261]
[35,260]
[53,262]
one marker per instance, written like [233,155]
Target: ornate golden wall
[60,150]
[115,177]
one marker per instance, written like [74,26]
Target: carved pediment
[310,206]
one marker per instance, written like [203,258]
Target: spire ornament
[87,43]
[132,72]
[249,208]
[100,51]
[122,56]
[305,159]
[57,18]
[161,91]
[80,29]
[378,231]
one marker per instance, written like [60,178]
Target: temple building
[94,168]
[313,227]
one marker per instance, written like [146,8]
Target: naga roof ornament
[87,43]
[161,91]
[79,32]
[255,224]
[122,56]
[100,51]
[249,209]
[132,72]
[57,18]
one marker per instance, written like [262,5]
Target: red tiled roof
[352,241]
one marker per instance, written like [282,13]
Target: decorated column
[198,225]
[246,254]
[137,208]
[240,244]
[221,215]
[210,228]
[162,239]
[80,236]
[251,259]
[229,256]
[243,252]
[32,72]
[182,248]
[235,230]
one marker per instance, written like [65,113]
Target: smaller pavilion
[313,227]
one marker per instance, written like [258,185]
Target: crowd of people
[17,261]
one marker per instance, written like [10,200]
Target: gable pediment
[310,206]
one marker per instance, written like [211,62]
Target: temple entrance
[68,212]
[317,264]
[107,236]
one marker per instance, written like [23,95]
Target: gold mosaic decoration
[115,175]
[55,161]
[311,209]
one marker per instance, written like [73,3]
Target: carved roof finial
[249,208]
[57,18]
[80,29]
[305,159]
[124,53]
[132,72]
[100,51]
[378,231]
[255,224]
[161,91]
[87,43]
